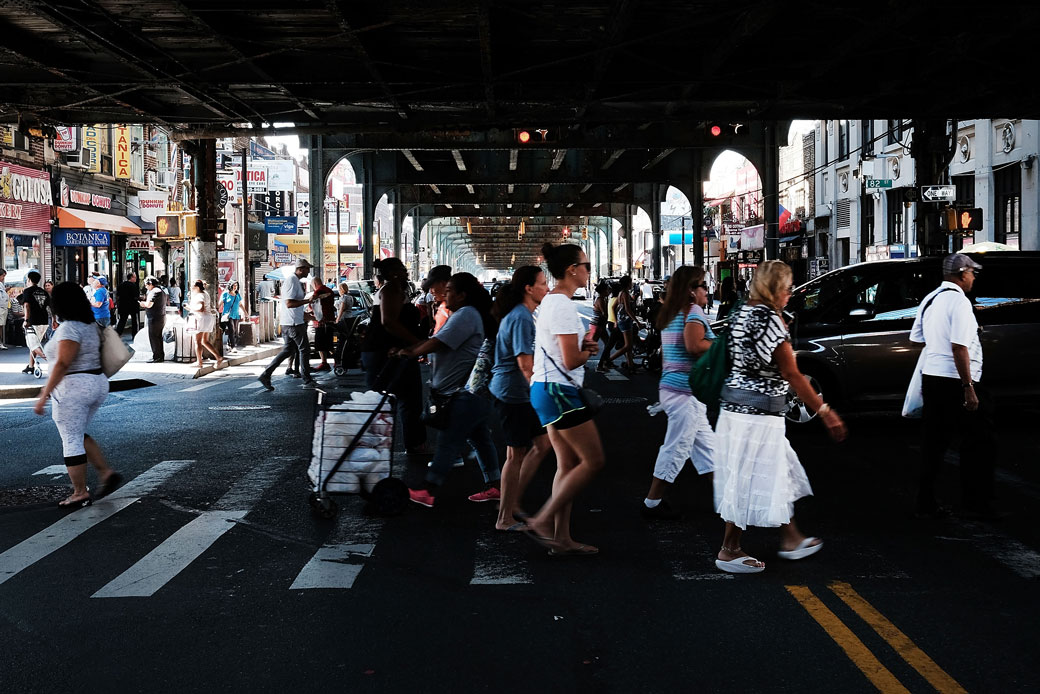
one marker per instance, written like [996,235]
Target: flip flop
[80,503]
[515,527]
[542,540]
[579,551]
[110,485]
[737,566]
[804,549]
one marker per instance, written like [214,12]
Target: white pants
[74,403]
[688,436]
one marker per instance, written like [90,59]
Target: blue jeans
[467,423]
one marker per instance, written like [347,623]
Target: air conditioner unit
[168,179]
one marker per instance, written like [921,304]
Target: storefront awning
[82,219]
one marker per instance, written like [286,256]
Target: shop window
[894,198]
[162,152]
[1007,185]
[105,148]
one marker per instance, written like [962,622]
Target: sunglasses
[702,285]
[587,266]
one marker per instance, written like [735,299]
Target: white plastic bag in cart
[334,431]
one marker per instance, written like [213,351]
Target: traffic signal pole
[932,148]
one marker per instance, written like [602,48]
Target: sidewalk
[15,384]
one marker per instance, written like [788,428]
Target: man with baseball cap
[294,326]
[955,402]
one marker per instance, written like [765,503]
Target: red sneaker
[421,497]
[489,494]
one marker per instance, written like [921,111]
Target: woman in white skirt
[758,476]
[76,387]
[685,335]
[201,322]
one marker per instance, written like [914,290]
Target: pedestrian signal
[531,135]
[584,233]
[961,219]
[720,128]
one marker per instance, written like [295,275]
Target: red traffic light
[716,131]
[523,136]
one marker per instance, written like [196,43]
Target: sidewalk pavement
[15,384]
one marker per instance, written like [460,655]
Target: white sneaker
[3,346]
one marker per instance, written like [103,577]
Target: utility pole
[248,263]
[933,146]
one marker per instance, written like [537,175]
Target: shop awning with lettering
[82,219]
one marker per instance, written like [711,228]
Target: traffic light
[961,219]
[533,135]
[584,233]
[720,128]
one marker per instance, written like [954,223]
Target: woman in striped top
[758,476]
[685,335]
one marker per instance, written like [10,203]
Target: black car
[850,328]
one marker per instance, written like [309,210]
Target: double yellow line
[859,654]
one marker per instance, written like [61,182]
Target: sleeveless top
[377,339]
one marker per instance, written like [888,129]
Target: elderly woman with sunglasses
[685,335]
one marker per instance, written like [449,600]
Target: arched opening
[734,212]
[677,230]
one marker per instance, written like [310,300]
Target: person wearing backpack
[758,476]
[77,387]
[685,335]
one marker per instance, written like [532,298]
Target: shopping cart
[352,450]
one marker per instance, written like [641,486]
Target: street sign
[878,183]
[939,193]
[222,196]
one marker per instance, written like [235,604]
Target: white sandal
[737,566]
[804,549]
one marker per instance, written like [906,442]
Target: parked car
[850,328]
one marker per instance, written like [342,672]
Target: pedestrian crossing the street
[341,556]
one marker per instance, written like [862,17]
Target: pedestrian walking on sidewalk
[99,301]
[128,303]
[685,335]
[394,324]
[454,351]
[322,311]
[559,370]
[76,388]
[758,476]
[5,306]
[231,314]
[36,304]
[955,400]
[626,323]
[201,322]
[526,439]
[154,306]
[294,326]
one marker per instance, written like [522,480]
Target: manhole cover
[625,400]
[239,408]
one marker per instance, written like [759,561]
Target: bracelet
[969,384]
[823,409]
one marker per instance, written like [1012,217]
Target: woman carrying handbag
[201,322]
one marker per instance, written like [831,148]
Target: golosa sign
[25,198]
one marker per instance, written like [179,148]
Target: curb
[240,359]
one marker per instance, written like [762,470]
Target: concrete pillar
[368,215]
[609,231]
[628,239]
[655,233]
[398,223]
[316,183]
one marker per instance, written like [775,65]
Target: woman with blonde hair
[758,476]
[685,335]
[201,322]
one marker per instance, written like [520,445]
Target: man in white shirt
[294,326]
[955,401]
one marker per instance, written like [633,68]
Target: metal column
[316,183]
[628,238]
[771,191]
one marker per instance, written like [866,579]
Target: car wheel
[797,411]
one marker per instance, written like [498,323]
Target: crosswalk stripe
[336,564]
[493,566]
[59,534]
[249,386]
[615,376]
[201,386]
[52,470]
[163,563]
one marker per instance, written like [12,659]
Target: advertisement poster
[66,139]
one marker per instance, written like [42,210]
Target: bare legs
[790,538]
[579,458]
[626,350]
[78,473]
[519,468]
[202,341]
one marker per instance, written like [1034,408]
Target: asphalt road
[184,580]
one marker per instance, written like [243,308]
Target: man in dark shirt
[128,297]
[154,305]
[35,302]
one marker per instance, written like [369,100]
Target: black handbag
[435,410]
[592,400]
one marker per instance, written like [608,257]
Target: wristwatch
[969,384]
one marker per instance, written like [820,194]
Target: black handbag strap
[565,374]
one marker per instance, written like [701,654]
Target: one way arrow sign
[939,193]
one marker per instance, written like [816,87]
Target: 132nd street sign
[938,193]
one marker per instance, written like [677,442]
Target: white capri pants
[74,403]
[688,436]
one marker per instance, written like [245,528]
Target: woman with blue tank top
[685,335]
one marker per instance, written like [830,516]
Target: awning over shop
[145,225]
[82,219]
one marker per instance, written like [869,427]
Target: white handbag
[114,354]
[913,403]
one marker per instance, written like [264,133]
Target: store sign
[151,204]
[25,197]
[281,258]
[66,139]
[122,154]
[280,225]
[92,143]
[139,244]
[281,175]
[752,238]
[70,237]
[79,197]
[229,181]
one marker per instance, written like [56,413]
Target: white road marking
[52,470]
[178,551]
[690,557]
[59,534]
[492,566]
[201,386]
[339,562]
[250,386]
[615,376]
[1014,555]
